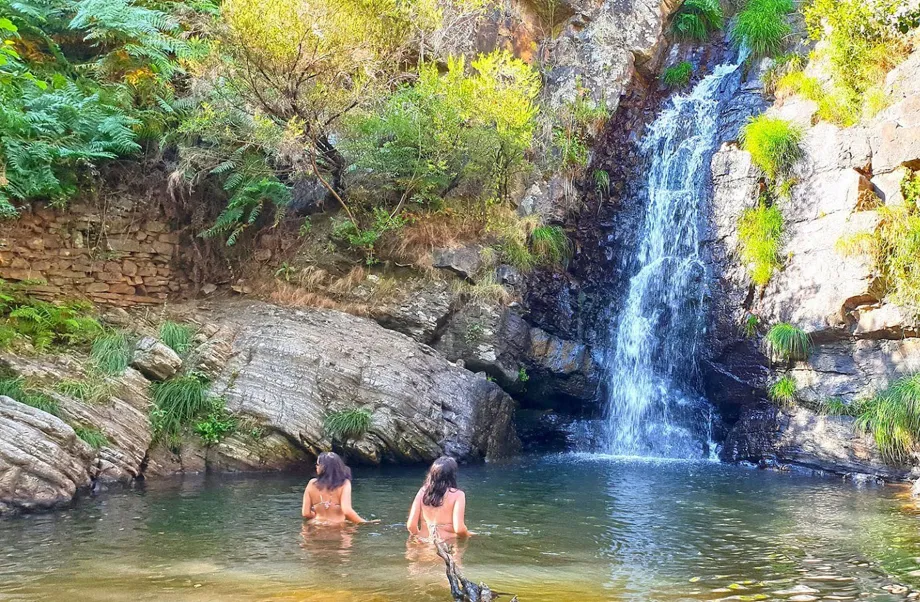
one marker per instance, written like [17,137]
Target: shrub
[218,423]
[774,144]
[892,417]
[677,76]
[46,324]
[761,26]
[110,353]
[787,342]
[550,244]
[347,424]
[178,402]
[17,389]
[696,19]
[92,436]
[759,232]
[177,337]
[783,391]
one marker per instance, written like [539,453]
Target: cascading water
[653,407]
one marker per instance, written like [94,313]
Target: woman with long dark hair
[439,504]
[327,498]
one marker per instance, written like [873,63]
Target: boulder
[290,369]
[42,461]
[419,311]
[804,438]
[463,261]
[155,360]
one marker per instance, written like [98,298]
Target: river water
[565,528]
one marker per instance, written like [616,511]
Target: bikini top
[327,504]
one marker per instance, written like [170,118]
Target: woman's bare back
[448,519]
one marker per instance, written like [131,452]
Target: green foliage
[217,424]
[364,239]
[677,76]
[697,19]
[347,424]
[761,26]
[910,189]
[550,244]
[782,65]
[92,436]
[17,389]
[749,325]
[783,391]
[602,181]
[523,377]
[177,337]
[787,342]
[575,125]
[759,233]
[892,417]
[862,42]
[464,127]
[45,324]
[774,144]
[110,353]
[94,388]
[178,403]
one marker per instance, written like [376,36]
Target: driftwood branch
[462,589]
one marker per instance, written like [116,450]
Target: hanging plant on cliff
[787,343]
[761,26]
[696,19]
[774,144]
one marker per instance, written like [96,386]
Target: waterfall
[653,405]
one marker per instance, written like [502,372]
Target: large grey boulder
[155,360]
[802,437]
[292,368]
[42,461]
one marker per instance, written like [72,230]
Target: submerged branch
[462,589]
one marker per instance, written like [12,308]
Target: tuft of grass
[762,27]
[347,424]
[774,144]
[486,289]
[110,353]
[892,417]
[95,388]
[550,244]
[787,342]
[796,82]
[176,336]
[92,436]
[750,325]
[783,391]
[602,181]
[696,19]
[760,230]
[677,76]
[178,403]
[783,65]
[16,388]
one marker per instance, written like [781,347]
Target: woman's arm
[460,515]
[350,513]
[415,513]
[307,510]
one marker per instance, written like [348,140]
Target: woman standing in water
[327,498]
[439,504]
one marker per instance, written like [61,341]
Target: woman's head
[442,477]
[331,471]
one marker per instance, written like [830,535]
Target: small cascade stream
[653,406]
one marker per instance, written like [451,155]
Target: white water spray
[653,408]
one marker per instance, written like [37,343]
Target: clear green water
[552,529]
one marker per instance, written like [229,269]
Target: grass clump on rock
[677,76]
[787,342]
[93,437]
[110,353]
[16,388]
[761,26]
[783,391]
[177,337]
[550,244]
[759,232]
[178,402]
[696,19]
[774,144]
[347,424]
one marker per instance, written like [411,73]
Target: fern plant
[787,342]
[696,19]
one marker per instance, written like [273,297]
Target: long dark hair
[334,473]
[442,477]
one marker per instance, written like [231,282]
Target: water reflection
[566,528]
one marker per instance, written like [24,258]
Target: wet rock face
[290,369]
[802,437]
[42,461]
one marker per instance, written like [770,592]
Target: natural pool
[565,528]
